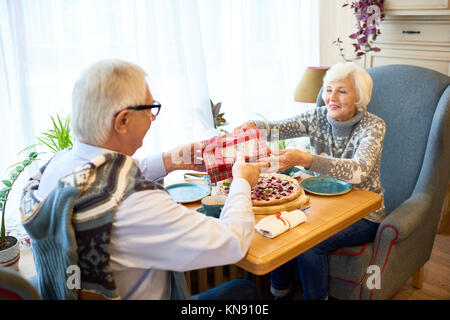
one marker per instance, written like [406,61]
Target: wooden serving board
[297,203]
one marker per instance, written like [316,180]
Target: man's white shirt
[151,232]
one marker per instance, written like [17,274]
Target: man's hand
[285,159]
[248,171]
[186,157]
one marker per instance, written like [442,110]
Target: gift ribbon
[218,143]
[278,215]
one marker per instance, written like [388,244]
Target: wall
[335,21]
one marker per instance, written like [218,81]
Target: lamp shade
[310,84]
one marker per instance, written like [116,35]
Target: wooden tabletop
[326,216]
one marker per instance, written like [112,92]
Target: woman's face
[340,98]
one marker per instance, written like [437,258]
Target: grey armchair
[415,169]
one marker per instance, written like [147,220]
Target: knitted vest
[72,227]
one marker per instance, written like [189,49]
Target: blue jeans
[239,289]
[313,264]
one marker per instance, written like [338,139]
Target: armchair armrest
[398,226]
[406,218]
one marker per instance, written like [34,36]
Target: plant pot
[9,257]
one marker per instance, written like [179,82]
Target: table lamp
[310,84]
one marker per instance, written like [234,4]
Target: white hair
[362,81]
[104,89]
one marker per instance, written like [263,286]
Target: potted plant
[219,120]
[369,15]
[9,245]
[58,138]
[55,140]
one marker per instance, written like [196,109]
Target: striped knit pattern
[72,226]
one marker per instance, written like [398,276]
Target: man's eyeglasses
[154,108]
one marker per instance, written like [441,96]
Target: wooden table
[326,216]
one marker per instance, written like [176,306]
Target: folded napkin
[280,222]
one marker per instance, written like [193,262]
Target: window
[249,54]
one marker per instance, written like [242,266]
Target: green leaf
[7,183]
[14,176]
[26,162]
[14,165]
[33,155]
[264,118]
[27,148]
[19,168]
[57,138]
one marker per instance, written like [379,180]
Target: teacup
[212,205]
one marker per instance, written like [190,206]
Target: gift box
[219,153]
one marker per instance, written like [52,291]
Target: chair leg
[218,276]
[202,280]
[417,278]
[233,272]
[188,281]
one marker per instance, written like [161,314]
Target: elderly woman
[346,143]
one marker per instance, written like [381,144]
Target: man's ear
[121,121]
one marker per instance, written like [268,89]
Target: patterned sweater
[72,227]
[346,150]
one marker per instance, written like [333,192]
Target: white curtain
[247,54]
[256,52]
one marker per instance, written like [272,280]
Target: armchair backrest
[414,103]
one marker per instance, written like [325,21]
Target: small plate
[325,186]
[188,192]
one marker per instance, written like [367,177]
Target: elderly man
[128,231]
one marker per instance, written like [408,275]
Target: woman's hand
[285,159]
[185,157]
[246,125]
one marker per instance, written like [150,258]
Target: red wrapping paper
[219,153]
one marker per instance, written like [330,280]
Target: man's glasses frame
[155,105]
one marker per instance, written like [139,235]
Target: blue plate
[292,172]
[325,186]
[188,192]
